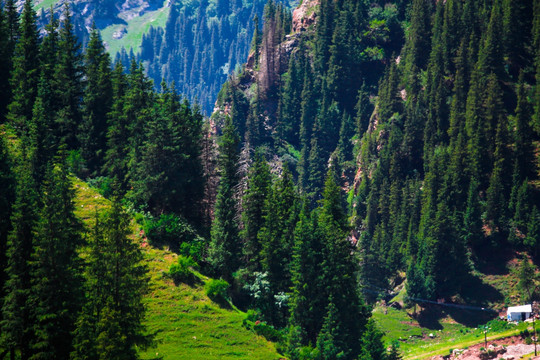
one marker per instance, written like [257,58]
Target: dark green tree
[258,190]
[97,102]
[17,321]
[56,267]
[25,73]
[68,75]
[111,323]
[224,249]
[7,198]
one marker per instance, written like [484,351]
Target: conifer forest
[313,180]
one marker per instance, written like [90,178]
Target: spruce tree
[68,83]
[258,189]
[111,323]
[307,296]
[17,319]
[25,73]
[97,102]
[224,249]
[7,198]
[118,133]
[348,320]
[56,267]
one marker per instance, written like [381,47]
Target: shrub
[528,340]
[181,271]
[174,231]
[216,290]
[252,322]
[103,184]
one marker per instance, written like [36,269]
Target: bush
[103,184]
[181,271]
[216,290]
[528,340]
[252,322]
[174,231]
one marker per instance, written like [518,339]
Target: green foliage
[181,271]
[110,324]
[173,231]
[217,290]
[223,252]
[56,267]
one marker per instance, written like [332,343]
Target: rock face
[305,15]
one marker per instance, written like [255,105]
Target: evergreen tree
[25,73]
[56,268]
[7,198]
[258,190]
[97,102]
[111,323]
[68,76]
[168,177]
[307,293]
[532,240]
[224,248]
[118,133]
[346,323]
[277,237]
[17,321]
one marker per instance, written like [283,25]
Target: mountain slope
[187,324]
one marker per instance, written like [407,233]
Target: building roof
[520,309]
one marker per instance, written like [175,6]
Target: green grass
[45,4]
[190,326]
[415,341]
[187,324]
[135,28]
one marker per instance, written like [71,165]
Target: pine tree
[17,321]
[25,73]
[111,323]
[97,102]
[68,76]
[338,276]
[524,153]
[224,249]
[277,236]
[7,198]
[168,177]
[6,54]
[118,133]
[56,267]
[307,293]
[258,189]
[532,240]
[372,343]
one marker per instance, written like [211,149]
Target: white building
[519,313]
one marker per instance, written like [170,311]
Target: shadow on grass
[223,303]
[429,318]
[492,260]
[472,308]
[192,280]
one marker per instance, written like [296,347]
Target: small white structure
[519,313]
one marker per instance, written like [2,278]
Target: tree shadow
[493,260]
[429,317]
[222,302]
[192,281]
[477,293]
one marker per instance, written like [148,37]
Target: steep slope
[122,22]
[187,324]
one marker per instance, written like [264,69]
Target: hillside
[187,324]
